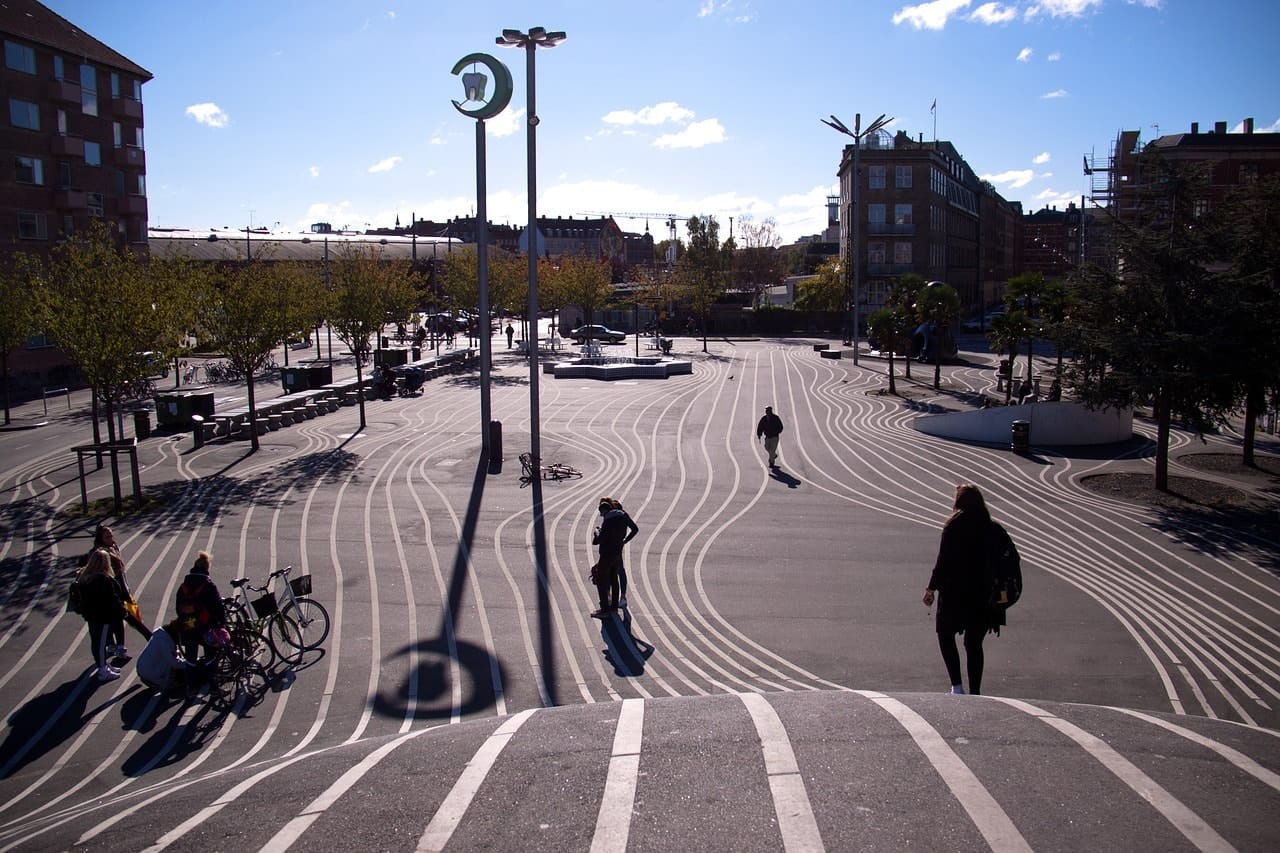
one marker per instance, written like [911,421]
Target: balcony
[890,228]
[70,200]
[126,108]
[63,92]
[889,269]
[130,155]
[67,146]
[132,205]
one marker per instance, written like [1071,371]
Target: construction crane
[671,220]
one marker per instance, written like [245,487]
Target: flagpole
[934,109]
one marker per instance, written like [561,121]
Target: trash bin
[197,430]
[141,424]
[495,442]
[1020,437]
[297,378]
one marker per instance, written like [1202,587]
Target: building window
[64,175]
[140,185]
[902,214]
[19,57]
[875,177]
[24,114]
[115,85]
[95,204]
[902,177]
[902,253]
[137,136]
[117,137]
[875,253]
[135,86]
[68,224]
[31,226]
[57,68]
[875,214]
[119,184]
[92,153]
[1248,174]
[62,122]
[30,170]
[88,90]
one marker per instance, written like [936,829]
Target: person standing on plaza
[770,426]
[960,582]
[199,606]
[102,607]
[511,333]
[616,530]
[104,538]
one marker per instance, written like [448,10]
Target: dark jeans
[99,637]
[607,580]
[973,656]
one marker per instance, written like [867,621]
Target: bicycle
[308,614]
[193,374]
[235,668]
[530,469]
[262,616]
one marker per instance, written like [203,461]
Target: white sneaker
[106,673]
[957,689]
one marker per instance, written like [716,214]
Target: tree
[20,314]
[757,263]
[825,291]
[703,268]
[1057,301]
[1005,333]
[938,305]
[581,281]
[904,292]
[1149,321]
[368,292]
[245,311]
[883,327]
[1023,294]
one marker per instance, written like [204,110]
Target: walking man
[510,334]
[770,427]
[616,529]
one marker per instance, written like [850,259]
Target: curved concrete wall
[1051,424]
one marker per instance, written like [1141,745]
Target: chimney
[1219,127]
[1248,125]
[1195,127]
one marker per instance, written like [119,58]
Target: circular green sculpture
[502,86]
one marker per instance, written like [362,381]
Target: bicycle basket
[265,606]
[301,585]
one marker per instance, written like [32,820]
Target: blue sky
[283,112]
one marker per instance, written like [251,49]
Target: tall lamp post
[474,85]
[536,37]
[853,252]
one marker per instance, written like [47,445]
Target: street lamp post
[853,253]
[531,41]
[474,85]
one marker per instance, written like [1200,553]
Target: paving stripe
[1239,759]
[1190,824]
[293,830]
[449,815]
[796,821]
[987,815]
[613,823]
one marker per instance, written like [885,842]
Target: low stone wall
[1062,424]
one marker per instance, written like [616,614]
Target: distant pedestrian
[770,426]
[616,530]
[511,333]
[961,583]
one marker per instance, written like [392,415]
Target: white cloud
[1014,178]
[1150,4]
[816,196]
[505,123]
[1054,57]
[1056,93]
[667,111]
[708,6]
[315,171]
[210,114]
[385,165]
[932,15]
[1024,55]
[696,135]
[1062,8]
[1057,198]
[1041,158]
[994,13]
[391,15]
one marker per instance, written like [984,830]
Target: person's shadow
[48,720]
[781,476]
[623,649]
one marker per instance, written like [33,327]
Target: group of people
[178,648]
[609,574]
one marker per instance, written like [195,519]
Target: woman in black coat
[961,583]
[102,606]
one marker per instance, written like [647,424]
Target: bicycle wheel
[312,621]
[249,645]
[284,636]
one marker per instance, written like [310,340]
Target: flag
[933,108]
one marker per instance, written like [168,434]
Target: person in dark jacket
[960,582]
[616,530]
[199,607]
[770,426]
[102,607]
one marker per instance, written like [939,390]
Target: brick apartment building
[71,150]
[923,210]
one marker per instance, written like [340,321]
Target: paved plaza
[774,683]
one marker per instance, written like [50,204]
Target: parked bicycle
[235,667]
[262,615]
[310,616]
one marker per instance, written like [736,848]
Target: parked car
[154,364]
[597,333]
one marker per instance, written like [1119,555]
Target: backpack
[192,612]
[1004,570]
[75,600]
